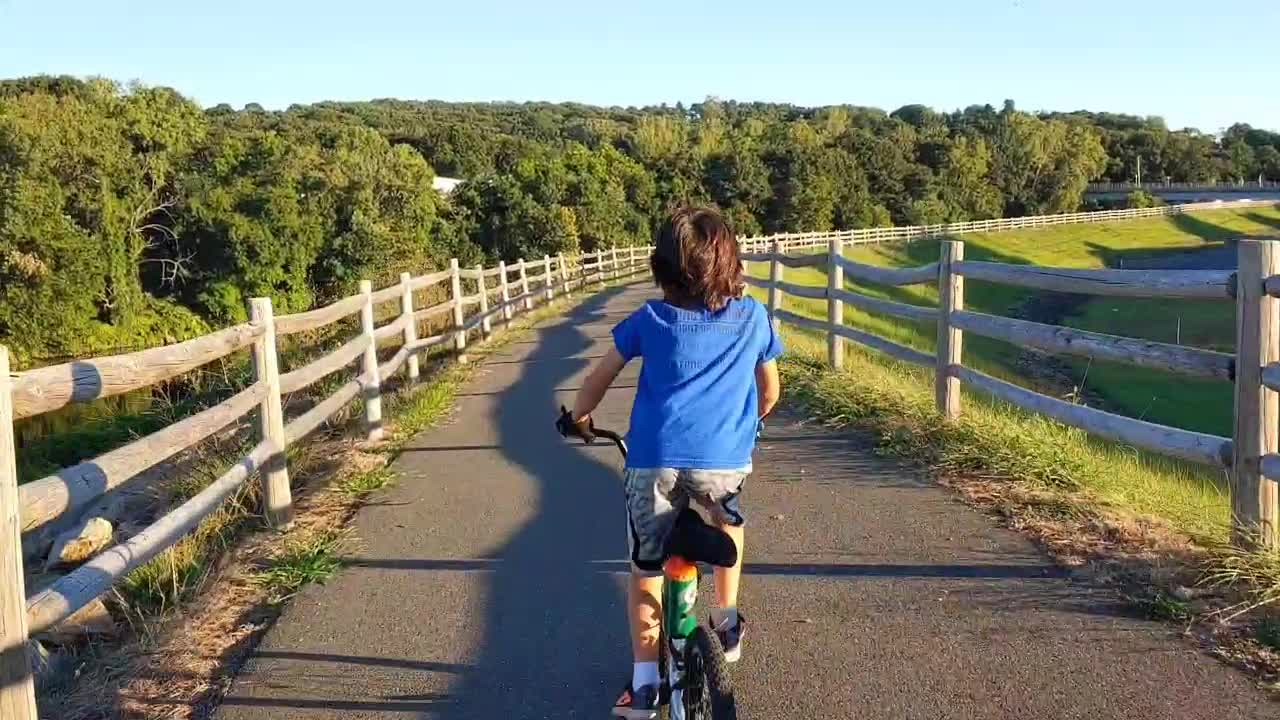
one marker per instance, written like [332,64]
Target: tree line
[131,216]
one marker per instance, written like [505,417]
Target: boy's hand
[582,428]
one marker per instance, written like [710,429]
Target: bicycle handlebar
[566,421]
[615,437]
[567,427]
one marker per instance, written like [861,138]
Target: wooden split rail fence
[477,298]
[1251,456]
[864,236]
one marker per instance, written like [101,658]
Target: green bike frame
[679,596]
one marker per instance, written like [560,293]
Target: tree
[965,188]
[1268,159]
[1043,166]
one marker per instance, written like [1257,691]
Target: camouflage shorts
[655,497]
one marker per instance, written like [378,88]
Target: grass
[1160,605]
[995,440]
[366,483]
[178,572]
[306,559]
[1267,633]
[1257,569]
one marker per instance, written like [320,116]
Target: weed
[362,484]
[1251,567]
[307,559]
[1159,605]
[1267,632]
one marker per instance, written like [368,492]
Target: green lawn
[1160,397]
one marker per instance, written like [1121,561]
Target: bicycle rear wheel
[708,691]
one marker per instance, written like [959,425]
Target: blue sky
[1197,64]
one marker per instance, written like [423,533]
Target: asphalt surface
[488,585]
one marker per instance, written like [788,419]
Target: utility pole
[1139,171]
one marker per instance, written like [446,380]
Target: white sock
[724,618]
[644,673]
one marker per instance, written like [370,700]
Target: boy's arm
[768,387]
[595,385]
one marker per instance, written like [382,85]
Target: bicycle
[695,682]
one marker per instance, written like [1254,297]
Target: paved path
[488,585]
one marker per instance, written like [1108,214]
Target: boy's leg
[652,506]
[719,492]
[726,579]
[644,610]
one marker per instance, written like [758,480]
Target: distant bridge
[1185,192]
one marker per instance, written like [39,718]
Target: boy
[707,380]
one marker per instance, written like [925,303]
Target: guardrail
[1250,456]
[1127,187]
[30,511]
[862,236]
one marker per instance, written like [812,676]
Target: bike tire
[704,661]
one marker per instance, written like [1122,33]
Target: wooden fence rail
[1251,456]
[36,510]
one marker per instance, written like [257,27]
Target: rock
[1184,593]
[92,620]
[86,539]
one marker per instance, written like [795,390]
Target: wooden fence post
[373,383]
[277,498]
[410,325]
[950,299]
[459,312]
[549,285]
[486,328]
[1257,409]
[17,687]
[524,286]
[505,286]
[564,273]
[775,277]
[613,261]
[835,308]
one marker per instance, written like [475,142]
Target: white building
[444,185]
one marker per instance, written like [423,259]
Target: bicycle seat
[696,541]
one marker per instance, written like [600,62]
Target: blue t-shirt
[696,405]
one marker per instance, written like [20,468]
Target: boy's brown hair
[695,259]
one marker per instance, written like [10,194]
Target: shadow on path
[554,643]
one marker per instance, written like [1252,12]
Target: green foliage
[365,483]
[1160,605]
[1142,199]
[1267,632]
[311,558]
[132,216]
